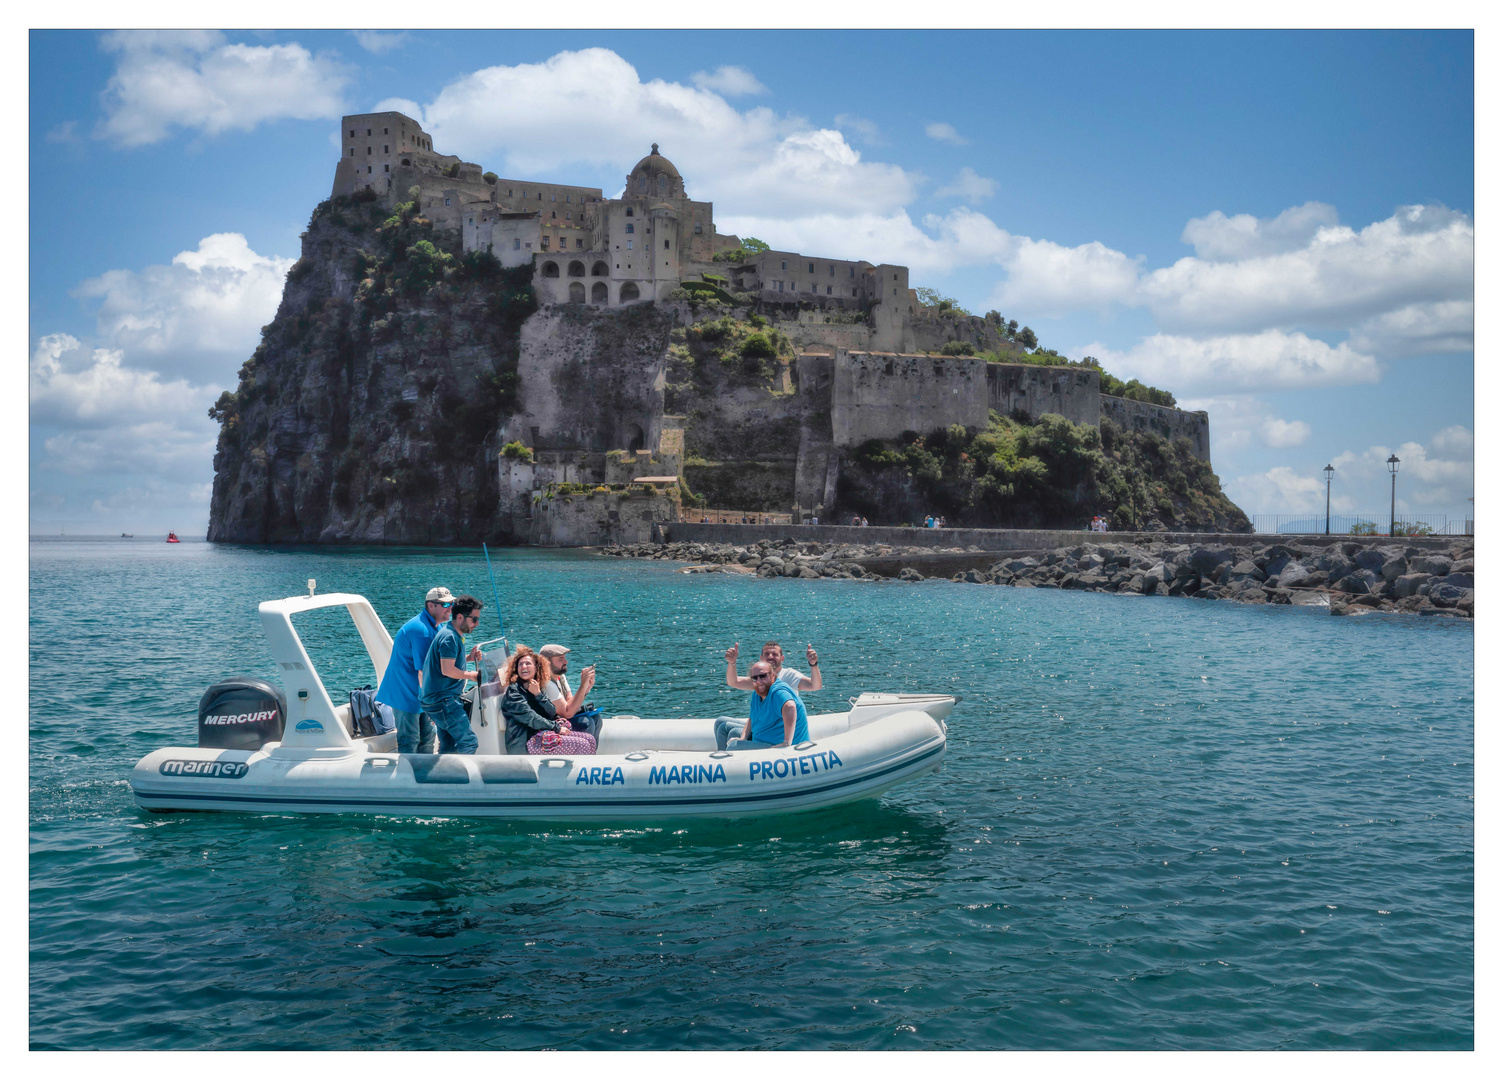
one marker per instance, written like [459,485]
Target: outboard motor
[241,714]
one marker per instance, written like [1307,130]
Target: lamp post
[1393,487]
[1328,470]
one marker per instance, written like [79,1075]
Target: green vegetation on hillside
[750,248]
[724,350]
[1051,473]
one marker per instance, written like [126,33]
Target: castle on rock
[588,249]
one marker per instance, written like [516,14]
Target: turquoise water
[1161,824]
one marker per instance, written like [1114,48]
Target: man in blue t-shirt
[444,677]
[402,684]
[777,715]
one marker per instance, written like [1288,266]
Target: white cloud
[161,448]
[380,41]
[1279,490]
[962,237]
[941,132]
[100,391]
[1454,441]
[127,419]
[1272,360]
[1338,278]
[1284,434]
[1218,238]
[1441,473]
[66,132]
[755,161]
[198,81]
[968,185]
[870,133]
[1045,278]
[1419,329]
[196,316]
[1236,419]
[728,81]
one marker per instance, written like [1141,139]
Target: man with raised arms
[777,715]
[772,655]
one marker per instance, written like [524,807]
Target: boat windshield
[339,655]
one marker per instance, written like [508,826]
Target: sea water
[1162,823]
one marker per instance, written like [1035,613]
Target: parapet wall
[1072,392]
[999,540]
[599,518]
[1161,420]
[882,395]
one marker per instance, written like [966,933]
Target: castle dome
[655,175]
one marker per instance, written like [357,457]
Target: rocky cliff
[368,412]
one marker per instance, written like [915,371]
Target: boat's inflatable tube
[883,740]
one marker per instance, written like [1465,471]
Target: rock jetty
[1351,577]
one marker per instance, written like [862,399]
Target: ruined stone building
[607,252]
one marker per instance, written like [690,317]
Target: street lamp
[1328,470]
[1393,487]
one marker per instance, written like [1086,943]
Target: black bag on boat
[363,712]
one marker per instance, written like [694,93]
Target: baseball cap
[552,650]
[440,595]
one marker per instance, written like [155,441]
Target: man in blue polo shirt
[444,678]
[401,686]
[777,715]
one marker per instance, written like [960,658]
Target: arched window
[630,227]
[550,269]
[630,292]
[599,293]
[576,269]
[600,270]
[576,292]
[635,440]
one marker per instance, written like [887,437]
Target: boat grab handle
[721,754]
[554,763]
[636,755]
[805,745]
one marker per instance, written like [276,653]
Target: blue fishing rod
[505,645]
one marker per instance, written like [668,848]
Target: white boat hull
[647,769]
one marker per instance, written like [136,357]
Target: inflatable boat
[265,751]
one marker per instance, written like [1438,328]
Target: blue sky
[1277,227]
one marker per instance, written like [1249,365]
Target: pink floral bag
[551,742]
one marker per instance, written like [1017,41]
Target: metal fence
[736,517]
[1361,524]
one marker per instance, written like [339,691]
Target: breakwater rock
[1354,577]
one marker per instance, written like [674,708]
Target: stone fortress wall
[1161,420]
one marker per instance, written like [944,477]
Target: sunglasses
[759,678]
[441,604]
